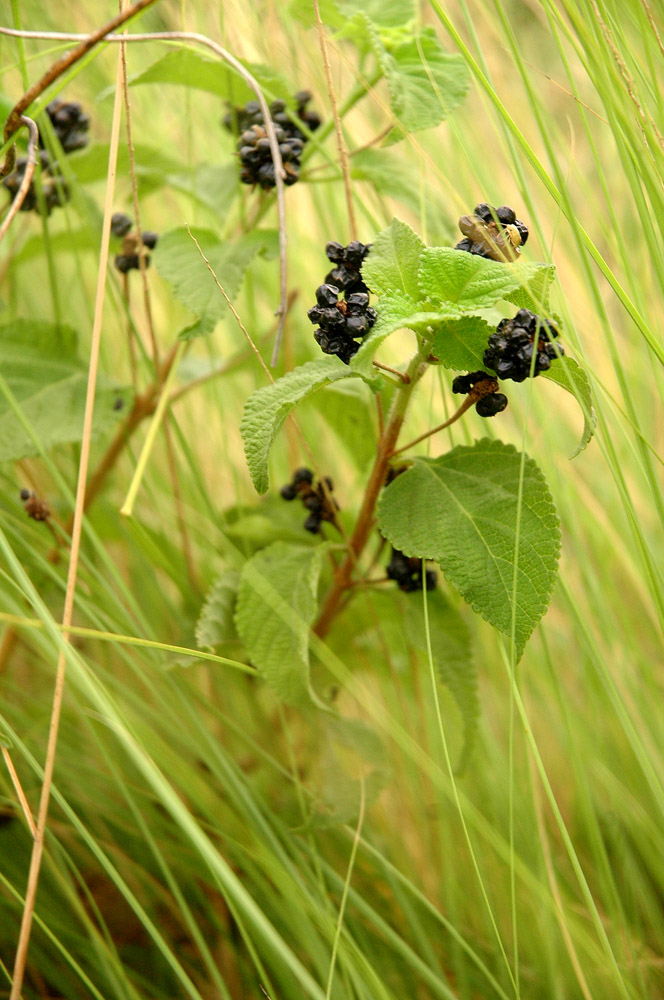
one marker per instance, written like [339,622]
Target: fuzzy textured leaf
[276,604]
[189,69]
[571,376]
[462,510]
[267,408]
[40,365]
[426,83]
[535,294]
[460,343]
[178,261]
[349,414]
[216,623]
[394,261]
[466,282]
[452,654]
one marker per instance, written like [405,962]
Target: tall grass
[201,837]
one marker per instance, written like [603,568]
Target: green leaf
[382,13]
[394,177]
[178,261]
[213,185]
[188,69]
[216,623]
[267,408]
[452,655]
[41,368]
[426,83]
[463,510]
[276,605]
[535,294]
[466,282]
[345,407]
[394,261]
[460,343]
[571,376]
[394,311]
[91,164]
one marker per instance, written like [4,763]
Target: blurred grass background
[182,857]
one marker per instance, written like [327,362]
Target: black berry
[489,406]
[120,224]
[517,341]
[316,498]
[493,233]
[54,189]
[70,123]
[407,573]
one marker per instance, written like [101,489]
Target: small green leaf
[466,282]
[571,376]
[452,654]
[394,310]
[535,294]
[426,83]
[41,367]
[178,261]
[267,408]
[460,343]
[394,177]
[394,261]
[463,510]
[188,69]
[216,623]
[276,605]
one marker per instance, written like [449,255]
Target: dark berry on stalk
[70,124]
[120,224]
[489,406]
[493,233]
[303,475]
[334,252]
[464,383]
[126,263]
[55,191]
[327,295]
[312,523]
[522,346]
[25,494]
[149,239]
[313,502]
[288,492]
[407,573]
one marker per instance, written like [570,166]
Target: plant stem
[364,523]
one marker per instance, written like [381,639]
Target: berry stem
[364,523]
[469,401]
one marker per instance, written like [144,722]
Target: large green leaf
[571,376]
[267,408]
[452,655]
[349,414]
[40,365]
[276,604]
[426,83]
[460,343]
[466,282]
[395,312]
[394,261]
[470,512]
[187,68]
[178,261]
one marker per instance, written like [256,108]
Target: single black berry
[149,239]
[120,224]
[464,383]
[522,346]
[303,475]
[407,573]
[489,406]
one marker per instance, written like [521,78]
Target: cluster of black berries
[342,322]
[54,188]
[494,233]
[128,260]
[484,386]
[407,573]
[70,123]
[512,346]
[316,498]
[254,145]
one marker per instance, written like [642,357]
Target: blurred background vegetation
[201,833]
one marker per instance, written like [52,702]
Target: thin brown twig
[58,693]
[22,192]
[395,371]
[341,145]
[59,67]
[467,403]
[20,794]
[190,36]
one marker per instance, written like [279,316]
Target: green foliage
[571,376]
[394,261]
[485,514]
[465,282]
[347,411]
[216,623]
[276,604]
[382,13]
[460,343]
[451,650]
[178,261]
[426,83]
[267,408]
[41,369]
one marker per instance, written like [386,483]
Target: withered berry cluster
[315,497]
[484,387]
[407,573]
[254,146]
[70,124]
[128,259]
[512,346]
[494,233]
[343,321]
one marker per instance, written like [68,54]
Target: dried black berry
[120,224]
[489,406]
[70,124]
[343,321]
[315,497]
[407,573]
[494,233]
[512,346]
[54,189]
